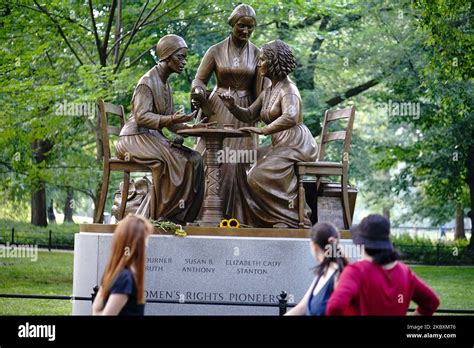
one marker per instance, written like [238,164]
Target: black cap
[373,232]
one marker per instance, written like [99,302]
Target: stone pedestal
[204,268]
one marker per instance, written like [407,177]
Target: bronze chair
[114,164]
[320,168]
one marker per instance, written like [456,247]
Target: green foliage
[426,158]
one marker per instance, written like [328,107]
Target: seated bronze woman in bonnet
[177,171]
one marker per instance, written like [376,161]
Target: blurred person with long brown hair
[122,290]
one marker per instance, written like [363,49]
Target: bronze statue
[177,170]
[234,63]
[272,182]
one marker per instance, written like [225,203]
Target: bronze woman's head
[276,60]
[172,49]
[243,21]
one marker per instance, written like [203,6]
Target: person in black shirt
[122,290]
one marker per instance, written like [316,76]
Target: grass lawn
[51,274]
[453,284]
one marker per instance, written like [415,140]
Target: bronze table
[212,213]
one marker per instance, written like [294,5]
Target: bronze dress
[177,171]
[272,182]
[235,68]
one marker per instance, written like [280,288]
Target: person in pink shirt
[379,284]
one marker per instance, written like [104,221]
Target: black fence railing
[282,304]
[47,239]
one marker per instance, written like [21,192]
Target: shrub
[433,252]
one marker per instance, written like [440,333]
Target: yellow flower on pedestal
[234,223]
[180,232]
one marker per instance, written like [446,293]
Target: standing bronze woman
[272,182]
[177,171]
[234,62]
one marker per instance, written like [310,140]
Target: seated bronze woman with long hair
[272,181]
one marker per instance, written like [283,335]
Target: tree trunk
[69,206]
[305,74]
[118,30]
[459,226]
[51,216]
[38,206]
[386,213]
[38,192]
